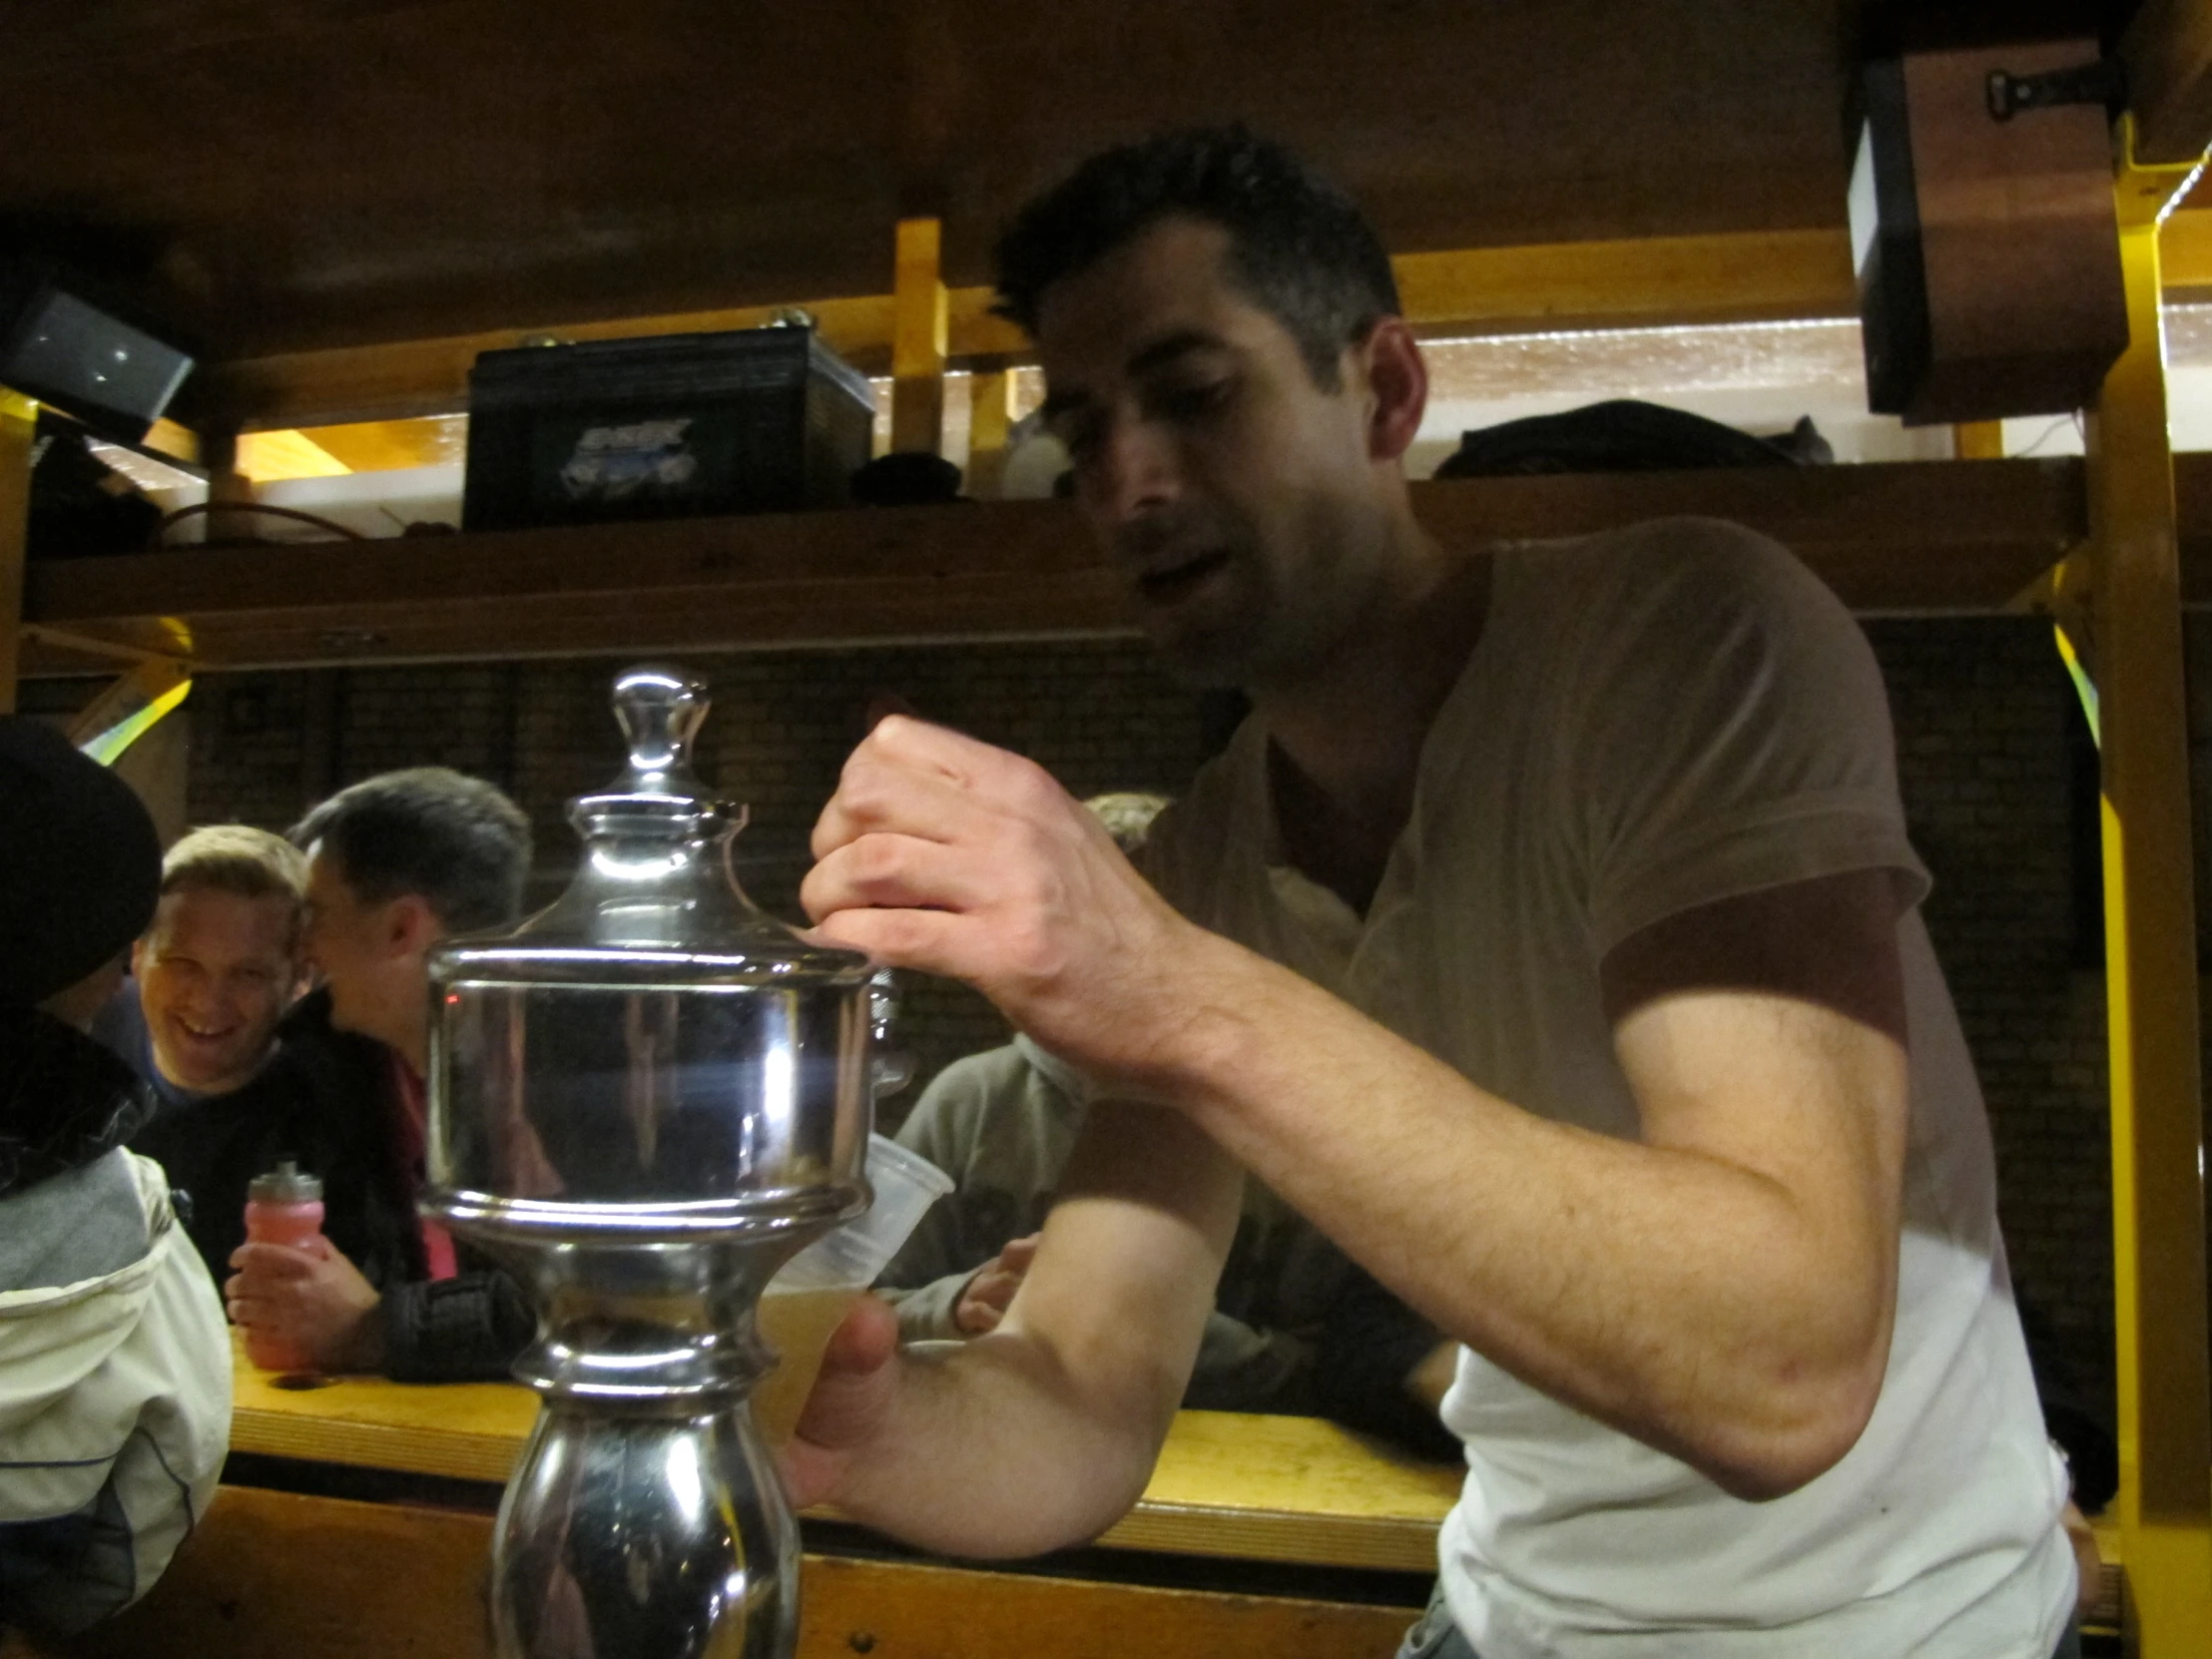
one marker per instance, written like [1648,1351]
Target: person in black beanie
[115,1365]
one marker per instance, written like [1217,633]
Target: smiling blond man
[220,964]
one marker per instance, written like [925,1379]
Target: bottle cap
[287,1182]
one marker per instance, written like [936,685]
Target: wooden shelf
[1909,537]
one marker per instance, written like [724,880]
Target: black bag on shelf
[1625,434]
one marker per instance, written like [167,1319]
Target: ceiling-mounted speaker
[1984,232]
[62,348]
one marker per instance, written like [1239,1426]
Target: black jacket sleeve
[467,1329]
[1369,1344]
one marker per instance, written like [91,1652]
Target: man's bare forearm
[1042,1433]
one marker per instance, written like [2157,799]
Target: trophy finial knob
[660,710]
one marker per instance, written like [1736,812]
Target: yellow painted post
[220,453]
[990,403]
[918,331]
[1978,440]
[2164,1507]
[18,418]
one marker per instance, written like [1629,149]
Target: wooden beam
[849,1606]
[2164,1504]
[268,1575]
[2168,53]
[401,379]
[1901,537]
[1656,282]
[1735,277]
[18,420]
[920,321]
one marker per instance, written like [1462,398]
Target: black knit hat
[79,863]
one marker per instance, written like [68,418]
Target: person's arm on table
[313,1297]
[465,1329]
[1722,1289]
[1042,1432]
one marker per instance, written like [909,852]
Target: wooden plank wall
[276,1575]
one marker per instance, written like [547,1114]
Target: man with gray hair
[395,864]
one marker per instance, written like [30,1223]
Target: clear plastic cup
[806,1302]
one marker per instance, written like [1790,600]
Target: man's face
[376,982]
[1239,499]
[216,972]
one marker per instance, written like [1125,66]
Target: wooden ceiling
[285,175]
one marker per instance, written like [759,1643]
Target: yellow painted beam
[1649,281]
[392,445]
[921,321]
[2165,1406]
[264,457]
[18,419]
[130,708]
[168,438]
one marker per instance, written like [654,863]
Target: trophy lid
[654,900]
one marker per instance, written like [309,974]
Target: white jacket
[114,1414]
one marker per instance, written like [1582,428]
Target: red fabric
[410,1119]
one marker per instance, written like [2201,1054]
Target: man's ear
[138,956]
[1397,388]
[410,925]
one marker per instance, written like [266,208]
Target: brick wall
[1988,769]
[1097,714]
[1992,759]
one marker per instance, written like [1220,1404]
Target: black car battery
[678,425]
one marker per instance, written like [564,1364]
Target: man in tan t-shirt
[1546,938]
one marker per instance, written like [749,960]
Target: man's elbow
[1810,1427]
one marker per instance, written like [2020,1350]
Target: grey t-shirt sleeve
[925,1310]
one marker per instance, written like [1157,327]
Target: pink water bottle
[283,1207]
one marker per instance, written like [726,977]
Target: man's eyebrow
[1153,355]
[1170,347]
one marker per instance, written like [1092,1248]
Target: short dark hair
[455,840]
[1298,245]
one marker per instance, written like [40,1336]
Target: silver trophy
[643,1101]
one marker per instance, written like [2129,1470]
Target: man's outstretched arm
[1041,1433]
[1722,1288]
